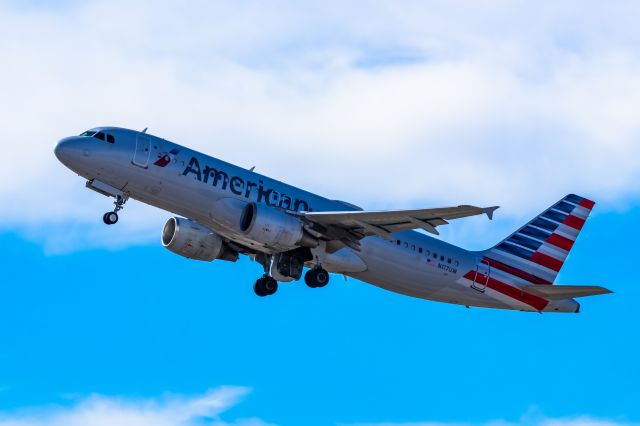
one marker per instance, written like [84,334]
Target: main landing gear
[286,267]
[265,286]
[111,218]
[316,277]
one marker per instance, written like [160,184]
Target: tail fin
[535,253]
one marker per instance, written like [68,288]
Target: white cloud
[209,409]
[396,104]
[171,410]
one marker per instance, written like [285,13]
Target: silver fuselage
[414,264]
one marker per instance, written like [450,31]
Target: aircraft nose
[70,151]
[61,149]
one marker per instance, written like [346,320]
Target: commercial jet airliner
[223,211]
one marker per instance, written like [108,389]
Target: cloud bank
[208,409]
[108,411]
[397,104]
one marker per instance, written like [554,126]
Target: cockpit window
[100,135]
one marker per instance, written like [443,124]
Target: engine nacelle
[192,240]
[274,228]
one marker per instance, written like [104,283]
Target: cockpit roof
[121,130]
[110,128]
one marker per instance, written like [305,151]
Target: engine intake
[192,240]
[274,228]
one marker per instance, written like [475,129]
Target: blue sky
[137,323]
[494,103]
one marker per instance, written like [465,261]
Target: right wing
[349,227]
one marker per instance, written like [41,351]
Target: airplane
[223,211]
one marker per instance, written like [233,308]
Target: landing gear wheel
[110,218]
[265,286]
[257,288]
[270,286]
[316,277]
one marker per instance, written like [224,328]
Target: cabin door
[142,152]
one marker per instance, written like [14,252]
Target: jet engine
[274,228]
[192,240]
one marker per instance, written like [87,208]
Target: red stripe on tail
[587,204]
[574,222]
[546,261]
[560,241]
[538,303]
[515,272]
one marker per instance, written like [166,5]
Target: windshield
[99,135]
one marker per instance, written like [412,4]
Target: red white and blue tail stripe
[535,253]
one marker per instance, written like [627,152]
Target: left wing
[351,226]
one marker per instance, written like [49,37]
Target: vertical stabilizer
[535,253]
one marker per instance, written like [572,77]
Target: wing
[351,226]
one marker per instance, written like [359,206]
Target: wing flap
[558,292]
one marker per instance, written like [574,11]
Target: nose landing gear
[111,218]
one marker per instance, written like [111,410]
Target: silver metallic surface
[212,194]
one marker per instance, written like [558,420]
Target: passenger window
[398,241]
[406,245]
[435,255]
[420,250]
[449,260]
[99,135]
[111,139]
[442,258]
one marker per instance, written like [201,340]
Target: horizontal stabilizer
[558,292]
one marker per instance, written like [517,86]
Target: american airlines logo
[246,188]
[166,157]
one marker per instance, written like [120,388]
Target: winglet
[490,210]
